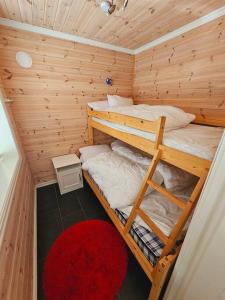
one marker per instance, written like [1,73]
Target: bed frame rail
[190,163]
[117,118]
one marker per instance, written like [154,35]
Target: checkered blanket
[148,242]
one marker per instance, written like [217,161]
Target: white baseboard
[35,236]
[35,247]
[42,184]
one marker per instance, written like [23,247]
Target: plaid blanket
[148,242]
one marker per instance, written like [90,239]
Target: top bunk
[188,146]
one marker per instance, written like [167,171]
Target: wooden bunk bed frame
[190,163]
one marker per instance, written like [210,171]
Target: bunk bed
[106,121]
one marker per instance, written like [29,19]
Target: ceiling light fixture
[109,7]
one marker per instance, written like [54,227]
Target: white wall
[200,269]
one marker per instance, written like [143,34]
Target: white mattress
[201,141]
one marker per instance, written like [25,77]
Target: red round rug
[88,261]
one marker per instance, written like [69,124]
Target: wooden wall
[188,71]
[50,98]
[16,249]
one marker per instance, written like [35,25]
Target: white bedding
[162,211]
[174,178]
[198,140]
[118,178]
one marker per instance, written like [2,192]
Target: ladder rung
[152,225]
[166,193]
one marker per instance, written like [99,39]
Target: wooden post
[90,128]
[160,131]
[162,268]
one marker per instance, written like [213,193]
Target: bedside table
[68,172]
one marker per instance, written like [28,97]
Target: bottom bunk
[143,243]
[162,209]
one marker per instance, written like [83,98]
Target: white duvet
[174,178]
[201,141]
[118,178]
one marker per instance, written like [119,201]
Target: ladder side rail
[142,191]
[177,229]
[140,196]
[160,131]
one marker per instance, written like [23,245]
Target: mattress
[148,242]
[198,140]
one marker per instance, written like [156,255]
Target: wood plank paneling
[16,252]
[50,98]
[142,21]
[188,72]
[16,249]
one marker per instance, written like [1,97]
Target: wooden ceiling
[142,22]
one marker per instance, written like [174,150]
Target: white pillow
[99,105]
[114,100]
[174,178]
[89,152]
[82,159]
[130,152]
[175,117]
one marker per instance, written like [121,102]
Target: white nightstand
[68,172]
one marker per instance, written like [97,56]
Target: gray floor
[55,213]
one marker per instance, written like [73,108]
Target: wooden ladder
[186,206]
[161,269]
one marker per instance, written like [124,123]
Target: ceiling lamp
[109,7]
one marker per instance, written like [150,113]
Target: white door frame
[206,235]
